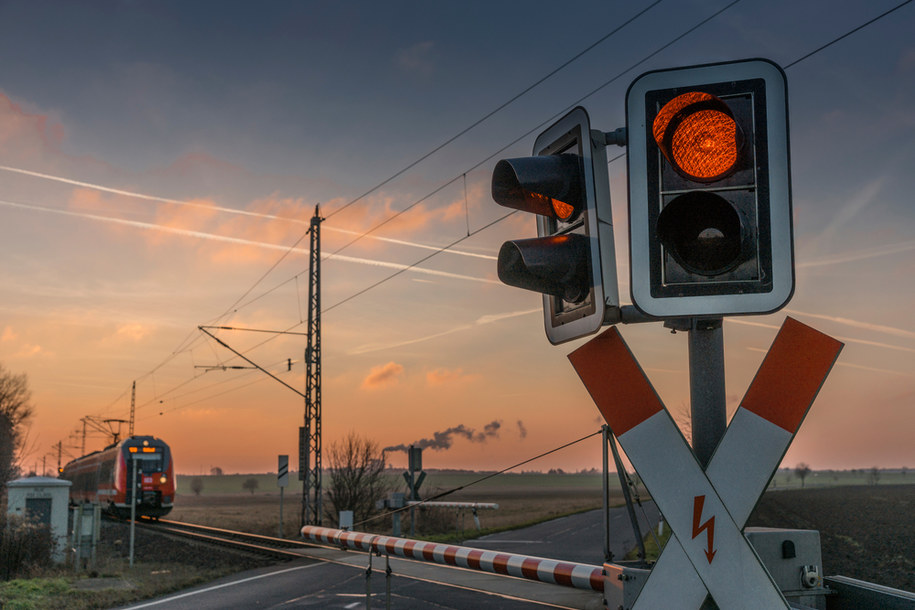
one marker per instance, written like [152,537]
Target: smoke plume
[444,439]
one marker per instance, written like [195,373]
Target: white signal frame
[776,112]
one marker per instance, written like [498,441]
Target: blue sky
[253,112]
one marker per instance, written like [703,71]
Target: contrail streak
[226,210]
[860,255]
[237,240]
[848,365]
[880,328]
[488,319]
[845,339]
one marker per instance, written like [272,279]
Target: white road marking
[222,586]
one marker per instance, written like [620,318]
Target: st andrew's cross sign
[707,510]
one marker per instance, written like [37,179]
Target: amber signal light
[698,135]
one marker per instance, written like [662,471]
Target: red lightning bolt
[708,526]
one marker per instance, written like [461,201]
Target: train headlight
[162,479]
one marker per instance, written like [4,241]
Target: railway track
[276,548]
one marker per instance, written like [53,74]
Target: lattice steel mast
[310,445]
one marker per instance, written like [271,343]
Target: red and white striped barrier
[566,573]
[486,505]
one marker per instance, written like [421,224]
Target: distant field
[522,499]
[266,483]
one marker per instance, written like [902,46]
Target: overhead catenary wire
[499,151]
[498,108]
[451,140]
[515,141]
[539,126]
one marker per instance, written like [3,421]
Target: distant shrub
[250,484]
[24,547]
[196,485]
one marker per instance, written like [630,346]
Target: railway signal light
[571,261]
[709,190]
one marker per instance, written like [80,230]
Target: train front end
[148,462]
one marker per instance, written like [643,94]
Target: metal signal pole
[708,401]
[310,447]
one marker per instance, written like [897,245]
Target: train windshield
[146,462]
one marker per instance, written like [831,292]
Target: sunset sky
[160,162]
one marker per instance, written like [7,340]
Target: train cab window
[149,462]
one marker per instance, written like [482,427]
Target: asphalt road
[576,538]
[331,578]
[317,584]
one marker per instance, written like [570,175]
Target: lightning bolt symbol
[708,527]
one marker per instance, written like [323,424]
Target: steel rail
[264,545]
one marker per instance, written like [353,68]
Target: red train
[104,476]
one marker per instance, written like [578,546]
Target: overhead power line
[498,108]
[848,33]
[515,141]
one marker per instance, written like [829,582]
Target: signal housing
[571,262]
[710,230]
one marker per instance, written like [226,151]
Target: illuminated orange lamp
[698,135]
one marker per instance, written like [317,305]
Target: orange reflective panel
[562,209]
[704,143]
[541,204]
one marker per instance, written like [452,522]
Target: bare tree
[250,485]
[357,477]
[802,470]
[873,476]
[15,410]
[196,485]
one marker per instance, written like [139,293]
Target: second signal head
[571,261]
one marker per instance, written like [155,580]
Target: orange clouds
[29,135]
[25,350]
[389,374]
[382,376]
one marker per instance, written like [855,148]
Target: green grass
[25,594]
[652,548]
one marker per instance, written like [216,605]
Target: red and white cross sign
[707,511]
